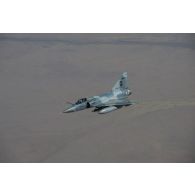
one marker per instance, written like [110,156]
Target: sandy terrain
[40,72]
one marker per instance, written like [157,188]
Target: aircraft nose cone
[69,110]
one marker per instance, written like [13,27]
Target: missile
[108,109]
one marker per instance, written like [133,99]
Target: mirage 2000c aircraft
[107,102]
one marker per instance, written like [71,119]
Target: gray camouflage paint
[107,102]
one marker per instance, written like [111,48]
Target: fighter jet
[107,102]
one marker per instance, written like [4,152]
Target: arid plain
[40,72]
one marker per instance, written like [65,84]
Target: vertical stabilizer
[121,83]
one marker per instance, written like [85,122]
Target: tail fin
[121,83]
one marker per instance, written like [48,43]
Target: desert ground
[40,72]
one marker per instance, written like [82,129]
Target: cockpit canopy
[80,101]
